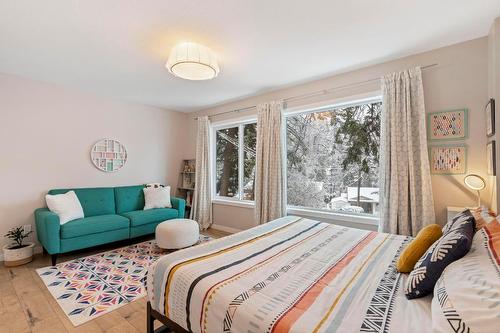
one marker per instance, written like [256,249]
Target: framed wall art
[447,125]
[491,158]
[448,160]
[490,117]
[108,155]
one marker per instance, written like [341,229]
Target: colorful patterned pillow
[453,245]
[467,296]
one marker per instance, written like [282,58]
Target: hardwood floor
[26,305]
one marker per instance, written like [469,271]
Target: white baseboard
[225,228]
[38,249]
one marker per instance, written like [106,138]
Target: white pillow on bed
[467,295]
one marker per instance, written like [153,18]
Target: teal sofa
[111,214]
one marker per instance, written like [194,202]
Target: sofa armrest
[180,205]
[48,230]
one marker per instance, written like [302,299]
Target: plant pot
[15,257]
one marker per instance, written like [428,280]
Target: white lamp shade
[474,182]
[192,61]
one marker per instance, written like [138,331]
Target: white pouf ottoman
[177,233]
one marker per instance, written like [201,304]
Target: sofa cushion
[94,201]
[129,198]
[141,217]
[93,225]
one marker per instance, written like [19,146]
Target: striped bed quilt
[289,275]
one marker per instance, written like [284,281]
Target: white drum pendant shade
[192,61]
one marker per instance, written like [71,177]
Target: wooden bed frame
[169,325]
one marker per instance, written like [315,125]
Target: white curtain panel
[269,176]
[406,202]
[201,210]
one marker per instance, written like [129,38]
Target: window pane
[249,140]
[227,162]
[332,159]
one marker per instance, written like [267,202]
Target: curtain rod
[312,94]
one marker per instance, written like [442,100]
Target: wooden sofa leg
[150,320]
[54,259]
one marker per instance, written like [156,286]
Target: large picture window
[332,159]
[235,161]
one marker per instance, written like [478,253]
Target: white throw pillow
[66,206]
[157,197]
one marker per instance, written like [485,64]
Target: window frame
[315,213]
[321,213]
[236,200]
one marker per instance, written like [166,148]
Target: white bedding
[289,275]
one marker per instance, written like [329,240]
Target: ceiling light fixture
[192,61]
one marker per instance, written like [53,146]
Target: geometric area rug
[89,287]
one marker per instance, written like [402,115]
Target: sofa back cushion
[94,201]
[129,198]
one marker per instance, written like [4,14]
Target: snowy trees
[359,136]
[330,153]
[336,148]
[227,164]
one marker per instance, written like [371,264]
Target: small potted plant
[17,253]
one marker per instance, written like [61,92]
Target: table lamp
[476,183]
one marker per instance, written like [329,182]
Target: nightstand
[452,211]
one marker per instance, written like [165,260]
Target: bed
[289,275]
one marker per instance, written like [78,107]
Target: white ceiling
[118,48]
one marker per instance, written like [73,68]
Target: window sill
[234,202]
[331,216]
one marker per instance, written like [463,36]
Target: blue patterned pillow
[453,245]
[457,220]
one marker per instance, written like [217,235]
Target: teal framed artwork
[447,125]
[448,159]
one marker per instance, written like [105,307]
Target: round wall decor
[108,155]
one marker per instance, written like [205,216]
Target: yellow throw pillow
[417,247]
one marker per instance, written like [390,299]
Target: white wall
[459,81]
[46,133]
[494,91]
